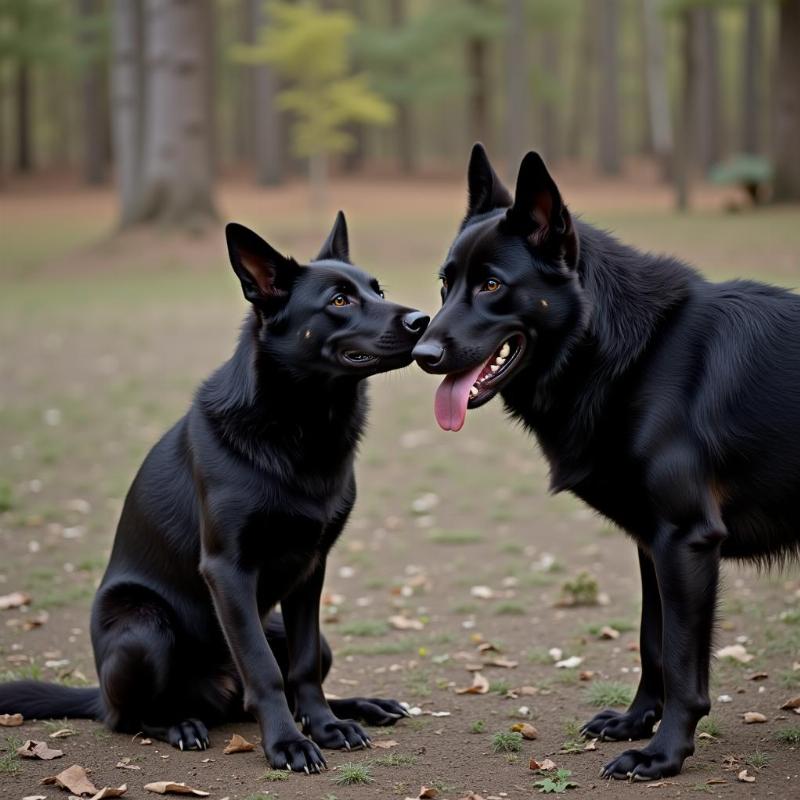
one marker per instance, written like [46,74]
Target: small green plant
[351,774]
[456,537]
[478,726]
[572,727]
[710,726]
[395,760]
[499,687]
[621,625]
[275,775]
[789,735]
[510,610]
[757,760]
[609,693]
[10,761]
[580,591]
[364,627]
[506,742]
[557,783]
[6,497]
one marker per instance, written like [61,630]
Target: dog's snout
[416,321]
[427,354]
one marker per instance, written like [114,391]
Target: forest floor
[101,343]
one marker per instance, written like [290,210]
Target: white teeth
[505,350]
[499,360]
[473,392]
[494,368]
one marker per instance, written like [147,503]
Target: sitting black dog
[235,510]
[668,403]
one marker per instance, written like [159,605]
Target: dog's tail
[37,700]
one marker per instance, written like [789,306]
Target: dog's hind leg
[645,710]
[136,658]
[371,710]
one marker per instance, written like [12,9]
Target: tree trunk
[318,182]
[516,86]
[549,110]
[581,95]
[267,124]
[751,78]
[707,102]
[24,156]
[177,185]
[92,91]
[477,70]
[787,122]
[404,121]
[684,138]
[127,103]
[354,160]
[608,138]
[657,86]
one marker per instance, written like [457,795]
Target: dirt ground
[101,343]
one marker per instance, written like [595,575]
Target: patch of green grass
[352,774]
[757,760]
[395,760]
[10,761]
[556,783]
[276,775]
[538,655]
[389,648]
[790,678]
[608,693]
[710,726]
[580,591]
[478,726]
[510,610]
[499,687]
[6,497]
[512,548]
[465,608]
[364,627]
[621,625]
[506,742]
[61,596]
[418,684]
[456,537]
[375,584]
[790,735]
[572,727]
[28,672]
[791,617]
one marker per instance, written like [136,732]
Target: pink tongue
[452,397]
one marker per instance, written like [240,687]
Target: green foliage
[557,783]
[710,726]
[609,693]
[6,497]
[790,735]
[352,773]
[506,742]
[478,726]
[309,48]
[581,591]
[364,627]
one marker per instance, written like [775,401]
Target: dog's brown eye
[492,285]
[339,301]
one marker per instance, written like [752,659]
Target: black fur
[234,510]
[668,403]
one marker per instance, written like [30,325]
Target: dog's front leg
[301,618]
[686,559]
[645,710]
[234,594]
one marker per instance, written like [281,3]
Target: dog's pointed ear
[486,190]
[337,245]
[266,275]
[539,213]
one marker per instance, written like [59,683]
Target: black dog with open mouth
[235,510]
[666,402]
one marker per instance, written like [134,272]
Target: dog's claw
[180,744]
[199,745]
[347,744]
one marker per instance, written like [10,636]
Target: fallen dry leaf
[544,766]
[592,745]
[36,621]
[426,792]
[526,729]
[125,763]
[527,691]
[471,796]
[659,784]
[11,720]
[401,623]
[33,749]
[64,733]
[35,797]
[586,675]
[487,647]
[479,685]
[704,735]
[170,787]
[505,663]
[758,676]
[607,632]
[569,663]
[385,744]
[792,704]
[110,791]
[751,717]
[745,777]
[73,779]
[238,744]
[737,652]
[14,600]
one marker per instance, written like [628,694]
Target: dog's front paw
[295,753]
[621,726]
[191,734]
[335,734]
[648,764]
[370,710]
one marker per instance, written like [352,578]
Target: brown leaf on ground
[758,676]
[607,632]
[792,704]
[11,720]
[526,729]
[125,763]
[751,717]
[487,647]
[586,675]
[385,744]
[527,691]
[238,744]
[73,779]
[36,621]
[33,749]
[14,600]
[745,777]
[505,663]
[426,792]
[737,652]
[110,791]
[170,787]
[401,623]
[479,685]
[592,745]
[64,733]
[543,766]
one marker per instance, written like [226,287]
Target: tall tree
[404,121]
[608,135]
[658,104]
[750,111]
[548,107]
[707,106]
[787,122]
[94,130]
[683,140]
[177,167]
[584,70]
[517,102]
[24,155]
[479,94]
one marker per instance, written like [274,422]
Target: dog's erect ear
[539,212]
[486,190]
[337,245]
[265,274]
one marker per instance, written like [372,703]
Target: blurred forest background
[166,98]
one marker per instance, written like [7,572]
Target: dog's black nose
[427,354]
[416,321]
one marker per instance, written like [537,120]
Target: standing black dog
[668,403]
[235,510]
